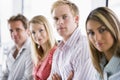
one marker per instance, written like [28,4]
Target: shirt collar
[112,66]
[25,46]
[72,40]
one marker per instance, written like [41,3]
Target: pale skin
[65,24]
[39,35]
[18,34]
[100,37]
[57,77]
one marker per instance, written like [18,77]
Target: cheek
[11,34]
[110,40]
[33,37]
[46,36]
[92,40]
[68,21]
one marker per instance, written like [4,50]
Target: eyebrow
[101,26]
[60,15]
[97,28]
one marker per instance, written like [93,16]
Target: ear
[77,19]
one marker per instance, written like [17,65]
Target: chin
[99,49]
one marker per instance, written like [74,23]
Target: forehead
[61,10]
[92,24]
[15,24]
[36,26]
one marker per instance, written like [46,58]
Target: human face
[64,20]
[99,36]
[18,33]
[39,33]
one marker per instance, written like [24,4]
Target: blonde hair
[37,51]
[107,17]
[74,9]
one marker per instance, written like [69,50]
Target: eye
[64,16]
[40,30]
[33,32]
[55,19]
[17,29]
[101,30]
[11,30]
[90,33]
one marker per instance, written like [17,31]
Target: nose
[14,33]
[37,35]
[97,37]
[60,21]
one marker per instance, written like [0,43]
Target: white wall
[37,7]
[17,6]
[98,3]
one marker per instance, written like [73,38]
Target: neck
[65,38]
[18,47]
[108,56]
[45,48]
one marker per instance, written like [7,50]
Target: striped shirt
[21,67]
[73,56]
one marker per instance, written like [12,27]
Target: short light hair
[73,7]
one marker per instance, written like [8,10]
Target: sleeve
[88,71]
[28,69]
[97,76]
[5,71]
[54,68]
[82,63]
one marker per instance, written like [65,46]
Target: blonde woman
[43,46]
[103,31]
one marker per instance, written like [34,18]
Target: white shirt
[73,56]
[21,67]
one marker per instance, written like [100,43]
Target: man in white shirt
[71,59]
[19,62]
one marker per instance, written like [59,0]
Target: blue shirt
[111,71]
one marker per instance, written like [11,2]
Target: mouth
[61,28]
[39,39]
[15,39]
[99,44]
